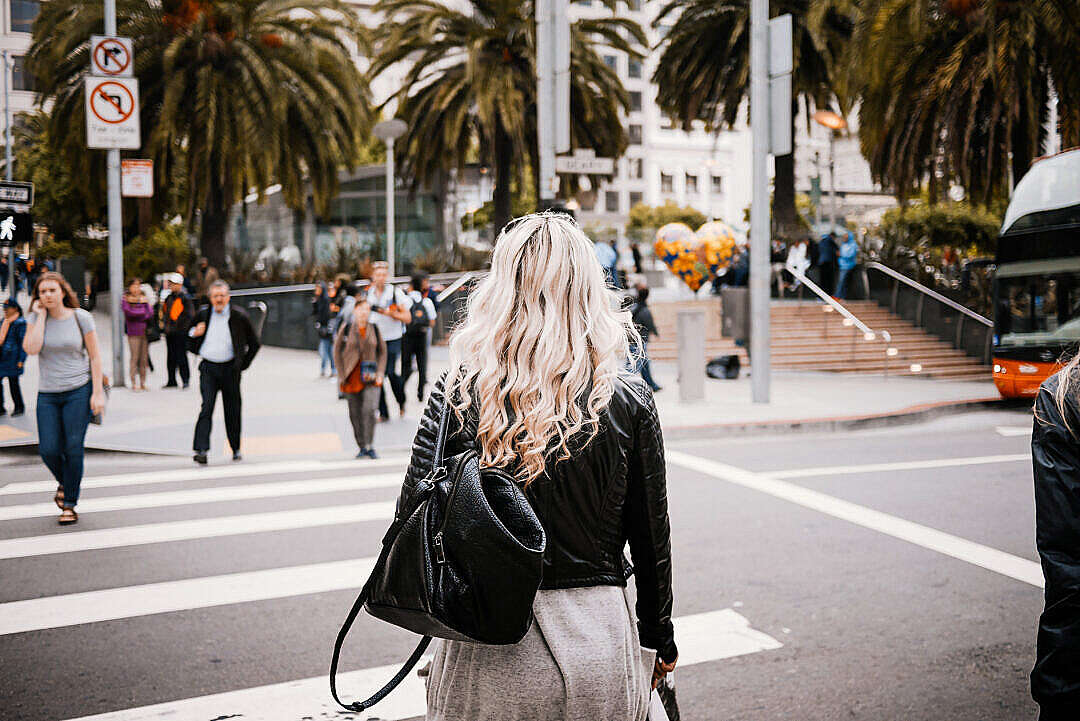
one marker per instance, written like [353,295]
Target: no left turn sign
[111,57]
[112,118]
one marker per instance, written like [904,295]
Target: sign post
[112,123]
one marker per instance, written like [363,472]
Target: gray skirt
[581,659]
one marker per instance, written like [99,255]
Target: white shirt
[217,344]
[389,328]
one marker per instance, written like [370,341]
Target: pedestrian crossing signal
[15,228]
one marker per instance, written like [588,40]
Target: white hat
[174,278]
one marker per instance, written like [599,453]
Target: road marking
[206,473]
[193,496]
[189,530]
[977,554]
[1008,431]
[110,604]
[702,638]
[899,466]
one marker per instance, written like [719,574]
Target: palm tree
[241,93]
[704,69]
[959,90]
[470,91]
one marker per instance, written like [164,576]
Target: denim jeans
[842,283]
[643,366]
[393,352]
[61,420]
[326,354]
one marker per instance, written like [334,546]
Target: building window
[587,201]
[691,183]
[636,168]
[634,69]
[612,62]
[667,183]
[635,198]
[635,101]
[611,201]
[20,79]
[634,131]
[23,13]
[634,5]
[717,184]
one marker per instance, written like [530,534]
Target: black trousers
[214,378]
[414,347]
[393,352]
[16,393]
[176,358]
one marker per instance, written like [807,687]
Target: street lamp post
[833,123]
[388,131]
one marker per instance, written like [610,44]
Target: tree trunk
[503,150]
[784,190]
[215,217]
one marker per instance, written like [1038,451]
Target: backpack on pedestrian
[419,320]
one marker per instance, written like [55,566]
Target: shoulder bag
[462,562]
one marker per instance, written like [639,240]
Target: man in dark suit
[226,341]
[176,315]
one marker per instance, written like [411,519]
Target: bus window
[1039,309]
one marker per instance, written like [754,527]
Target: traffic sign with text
[583,164]
[16,192]
[112,113]
[111,57]
[137,178]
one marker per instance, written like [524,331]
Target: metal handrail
[874,265]
[816,289]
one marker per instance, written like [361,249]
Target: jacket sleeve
[339,357]
[251,342]
[1055,453]
[423,447]
[648,530]
[194,344]
[380,352]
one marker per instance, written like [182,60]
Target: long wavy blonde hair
[541,346]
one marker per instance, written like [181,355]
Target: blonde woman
[538,387]
[1055,452]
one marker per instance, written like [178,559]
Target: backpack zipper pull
[440,554]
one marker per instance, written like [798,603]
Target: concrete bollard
[691,331]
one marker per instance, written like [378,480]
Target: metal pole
[545,91]
[817,205]
[759,208]
[390,205]
[116,238]
[7,169]
[832,183]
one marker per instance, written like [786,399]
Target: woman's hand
[378,380]
[36,307]
[661,669]
[97,402]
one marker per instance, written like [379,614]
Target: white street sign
[584,164]
[137,178]
[112,113]
[111,57]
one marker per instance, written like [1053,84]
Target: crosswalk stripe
[132,601]
[1009,431]
[702,638]
[189,530]
[207,472]
[193,496]
[962,549]
[898,466]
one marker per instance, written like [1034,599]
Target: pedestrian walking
[827,262]
[176,315]
[538,388]
[320,309]
[71,386]
[137,313]
[225,340]
[643,320]
[846,260]
[360,353]
[1055,453]
[12,355]
[417,336]
[390,312]
[205,276]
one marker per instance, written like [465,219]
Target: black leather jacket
[611,492]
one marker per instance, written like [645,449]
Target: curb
[904,416]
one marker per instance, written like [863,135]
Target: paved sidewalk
[290,411]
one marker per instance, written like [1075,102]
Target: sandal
[59,497]
[68,517]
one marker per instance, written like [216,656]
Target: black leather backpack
[463,563]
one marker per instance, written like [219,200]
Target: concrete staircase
[805,337]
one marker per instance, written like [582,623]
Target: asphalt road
[851,613]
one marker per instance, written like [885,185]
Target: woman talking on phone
[70,388]
[538,387]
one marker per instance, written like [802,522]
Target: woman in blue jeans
[62,335]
